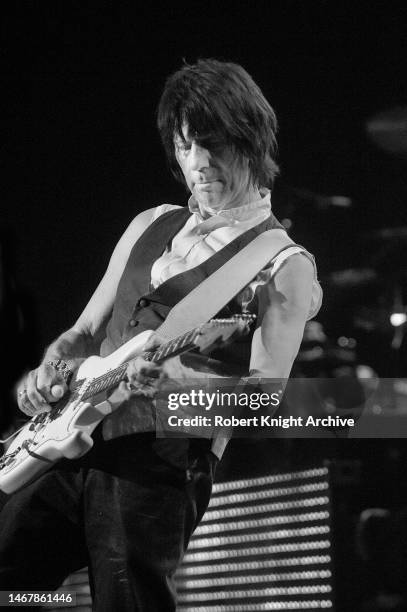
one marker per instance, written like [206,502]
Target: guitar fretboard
[112,378]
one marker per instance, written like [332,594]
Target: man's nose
[199,157]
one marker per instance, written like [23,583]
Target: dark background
[81,154]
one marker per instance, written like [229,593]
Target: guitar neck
[111,379]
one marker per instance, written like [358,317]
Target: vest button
[133,323]
[142,303]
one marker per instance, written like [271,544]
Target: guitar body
[66,431]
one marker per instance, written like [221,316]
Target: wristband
[62,367]
[254,384]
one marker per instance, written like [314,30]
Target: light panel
[262,545]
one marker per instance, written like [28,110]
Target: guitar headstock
[221,331]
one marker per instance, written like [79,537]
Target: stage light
[398,318]
[263,564]
[215,515]
[263,544]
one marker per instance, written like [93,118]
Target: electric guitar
[66,430]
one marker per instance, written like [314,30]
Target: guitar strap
[213,293]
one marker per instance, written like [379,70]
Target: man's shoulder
[144,219]
[164,208]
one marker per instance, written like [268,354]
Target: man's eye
[183,147]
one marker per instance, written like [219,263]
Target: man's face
[217,177]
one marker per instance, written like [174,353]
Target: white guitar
[66,430]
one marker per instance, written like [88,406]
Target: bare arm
[285,300]
[45,384]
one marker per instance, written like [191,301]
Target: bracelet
[62,367]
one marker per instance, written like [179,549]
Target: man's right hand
[39,389]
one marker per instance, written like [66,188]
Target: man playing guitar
[129,506]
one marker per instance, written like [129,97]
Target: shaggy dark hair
[221,104]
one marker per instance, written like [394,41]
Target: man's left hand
[147,377]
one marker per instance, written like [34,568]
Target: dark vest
[138,307]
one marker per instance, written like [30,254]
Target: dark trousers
[122,510]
